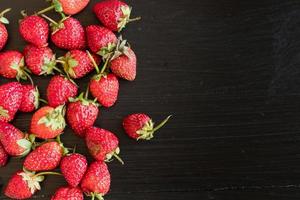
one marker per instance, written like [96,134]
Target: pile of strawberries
[41,146]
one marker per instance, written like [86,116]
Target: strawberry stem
[86,95]
[43,100]
[47,173]
[93,61]
[4,12]
[162,123]
[46,10]
[28,76]
[118,158]
[105,65]
[50,20]
[134,19]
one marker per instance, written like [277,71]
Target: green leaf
[57,6]
[4,20]
[24,143]
[72,63]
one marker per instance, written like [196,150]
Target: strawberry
[68,193]
[73,168]
[35,30]
[45,157]
[68,7]
[13,140]
[81,114]
[59,90]
[102,144]
[113,14]
[40,60]
[96,181]
[48,122]
[3,156]
[77,63]
[12,65]
[3,30]
[30,98]
[140,126]
[100,40]
[10,100]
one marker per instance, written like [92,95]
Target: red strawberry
[81,114]
[35,30]
[113,14]
[102,144]
[59,90]
[10,100]
[3,30]
[13,140]
[73,168]
[68,193]
[30,98]
[45,157]
[3,156]
[69,7]
[78,64]
[140,126]
[12,65]
[40,60]
[101,40]
[48,122]
[96,181]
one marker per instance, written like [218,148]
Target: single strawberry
[101,40]
[12,65]
[140,126]
[68,7]
[10,100]
[45,157]
[68,193]
[40,60]
[35,30]
[102,144]
[59,90]
[30,98]
[113,14]
[73,168]
[96,181]
[3,30]
[77,63]
[48,122]
[81,114]
[14,141]
[3,156]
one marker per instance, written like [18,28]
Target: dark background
[229,73]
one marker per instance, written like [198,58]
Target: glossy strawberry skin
[72,36]
[39,59]
[135,122]
[100,142]
[105,89]
[44,158]
[8,61]
[80,116]
[99,37]
[59,90]
[17,188]
[68,193]
[3,36]
[30,98]
[73,168]
[10,99]
[125,66]
[3,156]
[72,7]
[96,179]
[35,30]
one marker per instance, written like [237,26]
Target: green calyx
[115,154]
[25,144]
[107,52]
[69,63]
[22,71]
[3,19]
[121,49]
[55,119]
[48,66]
[147,132]
[125,19]
[95,195]
[55,26]
[3,112]
[36,95]
[84,100]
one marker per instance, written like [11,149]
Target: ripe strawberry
[40,60]
[35,30]
[102,144]
[78,64]
[96,181]
[73,168]
[68,193]
[113,14]
[48,122]
[81,114]
[13,140]
[3,156]
[45,157]
[101,40]
[3,30]
[12,65]
[30,98]
[10,100]
[140,126]
[59,90]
